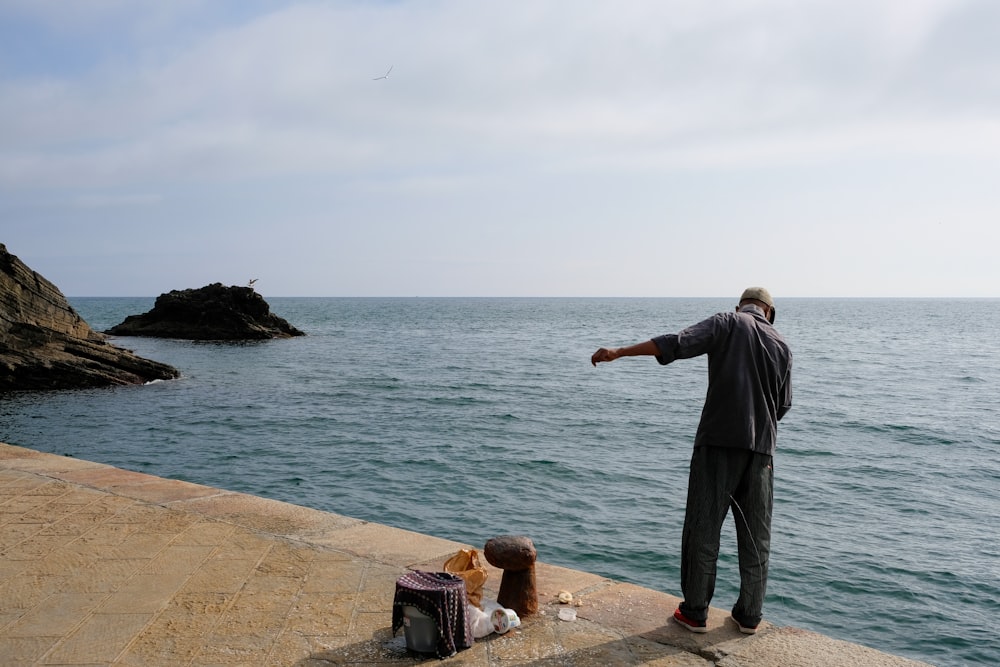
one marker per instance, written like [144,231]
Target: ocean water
[471,418]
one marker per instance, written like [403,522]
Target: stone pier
[102,566]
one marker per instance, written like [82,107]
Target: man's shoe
[745,629]
[693,626]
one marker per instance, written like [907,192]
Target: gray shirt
[749,377]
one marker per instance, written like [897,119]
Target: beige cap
[758,294]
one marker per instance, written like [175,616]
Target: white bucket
[420,630]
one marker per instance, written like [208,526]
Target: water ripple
[469,418]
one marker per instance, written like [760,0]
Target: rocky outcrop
[213,312]
[45,344]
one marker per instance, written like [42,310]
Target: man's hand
[647,348]
[604,354]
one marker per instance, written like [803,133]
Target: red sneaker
[745,629]
[693,626]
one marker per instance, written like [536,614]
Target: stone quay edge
[103,566]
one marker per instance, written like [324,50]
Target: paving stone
[794,646]
[98,640]
[202,532]
[27,591]
[25,650]
[56,615]
[102,575]
[381,543]
[218,575]
[161,650]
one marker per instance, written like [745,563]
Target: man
[749,390]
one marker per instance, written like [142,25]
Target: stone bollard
[515,555]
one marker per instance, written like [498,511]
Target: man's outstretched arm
[647,348]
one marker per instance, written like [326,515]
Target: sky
[841,148]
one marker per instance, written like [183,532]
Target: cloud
[505,130]
[494,84]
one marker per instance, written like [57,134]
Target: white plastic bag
[481,623]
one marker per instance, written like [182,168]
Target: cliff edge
[45,344]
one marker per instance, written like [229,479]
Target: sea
[469,418]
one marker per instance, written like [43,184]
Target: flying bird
[384,76]
[251,283]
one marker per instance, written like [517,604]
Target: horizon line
[514,296]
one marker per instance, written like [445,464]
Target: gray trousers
[722,478]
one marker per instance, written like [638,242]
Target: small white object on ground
[567,614]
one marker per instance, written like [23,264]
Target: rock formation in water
[213,312]
[45,344]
